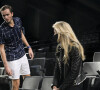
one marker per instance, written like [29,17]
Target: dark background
[38,16]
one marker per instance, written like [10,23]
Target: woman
[68,74]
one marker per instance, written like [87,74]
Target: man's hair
[6,7]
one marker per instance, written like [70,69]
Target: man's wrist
[28,47]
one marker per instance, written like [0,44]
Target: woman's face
[55,32]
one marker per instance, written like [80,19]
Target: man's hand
[31,54]
[3,56]
[8,71]
[26,43]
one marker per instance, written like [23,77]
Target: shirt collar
[5,23]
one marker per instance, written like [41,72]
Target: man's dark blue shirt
[11,38]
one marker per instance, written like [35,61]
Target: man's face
[7,15]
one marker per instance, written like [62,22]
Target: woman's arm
[56,76]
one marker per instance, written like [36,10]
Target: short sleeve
[20,21]
[2,41]
[22,28]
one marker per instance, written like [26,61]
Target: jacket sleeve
[74,69]
[56,75]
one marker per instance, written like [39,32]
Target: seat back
[31,82]
[49,66]
[1,64]
[36,70]
[2,71]
[46,84]
[91,68]
[39,54]
[37,61]
[96,57]
[5,82]
[37,66]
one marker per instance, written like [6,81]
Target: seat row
[37,83]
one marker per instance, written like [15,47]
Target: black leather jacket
[66,75]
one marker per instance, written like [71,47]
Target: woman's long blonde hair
[66,38]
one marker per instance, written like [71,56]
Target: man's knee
[15,84]
[25,76]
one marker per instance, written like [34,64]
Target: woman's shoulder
[73,49]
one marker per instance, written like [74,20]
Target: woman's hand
[55,88]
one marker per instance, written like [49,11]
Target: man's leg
[15,67]
[25,69]
[15,84]
[25,75]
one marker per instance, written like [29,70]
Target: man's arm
[3,56]
[27,44]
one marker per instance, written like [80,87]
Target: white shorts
[19,67]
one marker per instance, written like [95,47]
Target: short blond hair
[6,7]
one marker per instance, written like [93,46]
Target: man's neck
[11,24]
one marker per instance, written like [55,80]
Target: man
[12,48]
